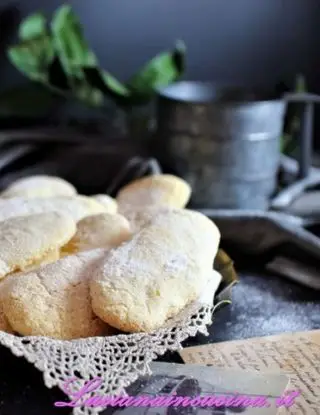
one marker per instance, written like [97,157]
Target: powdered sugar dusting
[176,263]
[77,207]
[141,197]
[122,256]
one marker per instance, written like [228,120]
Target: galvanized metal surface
[227,148]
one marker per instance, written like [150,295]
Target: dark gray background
[250,41]
[239,41]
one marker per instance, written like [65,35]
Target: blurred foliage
[56,55]
[292,124]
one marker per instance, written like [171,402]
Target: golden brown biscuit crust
[155,275]
[54,300]
[157,190]
[99,231]
[27,240]
[39,186]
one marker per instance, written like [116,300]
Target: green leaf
[179,57]
[74,54]
[107,84]
[70,43]
[300,85]
[33,57]
[27,101]
[224,265]
[63,61]
[33,26]
[88,95]
[289,141]
[57,78]
[21,59]
[161,71]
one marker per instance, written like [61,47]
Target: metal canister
[224,142]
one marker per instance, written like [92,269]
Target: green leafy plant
[57,55]
[293,119]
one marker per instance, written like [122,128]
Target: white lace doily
[118,360]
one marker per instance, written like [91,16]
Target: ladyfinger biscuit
[77,206]
[156,274]
[54,300]
[52,256]
[99,231]
[27,240]
[4,324]
[39,186]
[140,217]
[157,190]
[107,201]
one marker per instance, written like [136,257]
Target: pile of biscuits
[74,266]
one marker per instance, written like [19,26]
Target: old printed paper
[296,354]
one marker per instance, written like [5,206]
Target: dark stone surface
[263,305]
